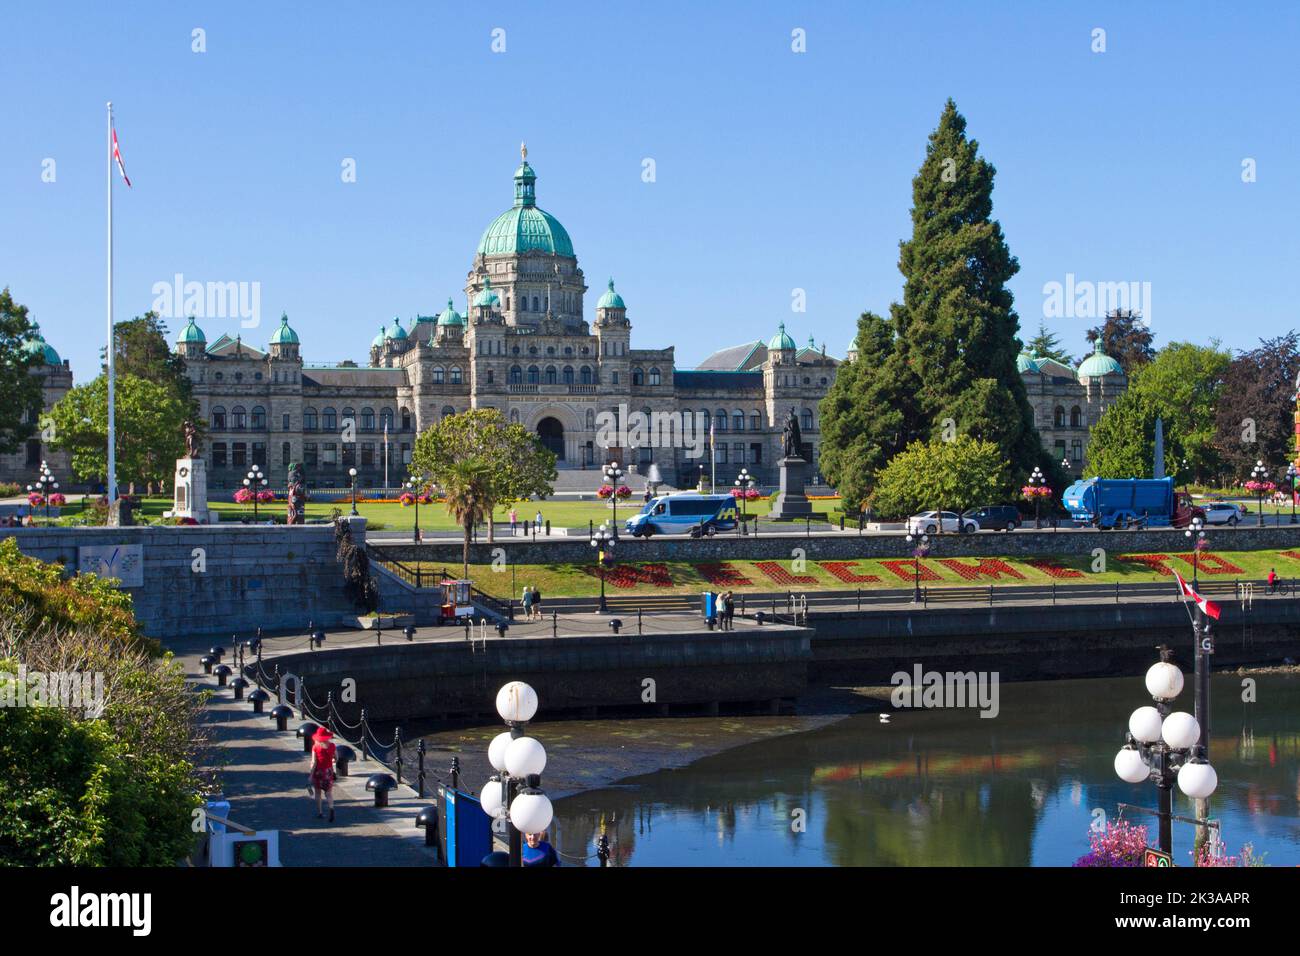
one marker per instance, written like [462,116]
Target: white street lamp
[516,702]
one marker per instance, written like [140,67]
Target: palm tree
[468,488]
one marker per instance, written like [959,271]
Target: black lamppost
[613,476]
[1163,747]
[603,541]
[1197,533]
[414,488]
[352,473]
[44,486]
[1037,481]
[1259,474]
[744,482]
[514,794]
[1291,475]
[920,551]
[255,481]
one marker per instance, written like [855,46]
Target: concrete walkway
[264,777]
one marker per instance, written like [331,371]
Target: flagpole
[111,481]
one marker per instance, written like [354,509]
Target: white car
[1222,512]
[927,522]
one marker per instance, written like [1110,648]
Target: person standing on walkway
[537,852]
[321,774]
[528,602]
[537,523]
[728,611]
[514,521]
[1272,581]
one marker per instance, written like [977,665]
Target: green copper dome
[283,335]
[486,296]
[1099,363]
[611,299]
[450,316]
[378,341]
[1027,362]
[191,333]
[525,227]
[398,332]
[36,345]
[780,341]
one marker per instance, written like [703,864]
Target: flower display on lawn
[604,491]
[265,496]
[1260,487]
[426,498]
[623,491]
[630,575]
[1116,844]
[749,494]
[407,499]
[983,568]
[781,576]
[1036,491]
[1208,563]
[722,574]
[57,499]
[35,499]
[1156,562]
[243,496]
[846,572]
[1052,569]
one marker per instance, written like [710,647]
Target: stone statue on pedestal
[791,502]
[193,444]
[297,495]
[791,438]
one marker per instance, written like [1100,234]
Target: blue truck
[1129,503]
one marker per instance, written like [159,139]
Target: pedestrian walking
[537,602]
[1272,581]
[320,776]
[537,522]
[537,852]
[728,611]
[514,521]
[528,602]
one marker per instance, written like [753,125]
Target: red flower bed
[1053,570]
[722,574]
[1294,555]
[844,571]
[907,570]
[1210,564]
[781,576]
[1156,562]
[630,575]
[984,568]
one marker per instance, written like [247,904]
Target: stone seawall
[436,680]
[218,579]
[1026,543]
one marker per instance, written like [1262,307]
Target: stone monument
[191,482]
[791,502]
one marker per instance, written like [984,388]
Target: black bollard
[305,731]
[381,784]
[343,757]
[238,685]
[207,660]
[409,631]
[223,673]
[428,819]
[258,698]
[281,713]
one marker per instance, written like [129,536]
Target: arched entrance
[551,433]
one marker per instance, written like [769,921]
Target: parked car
[927,522]
[995,517]
[1222,512]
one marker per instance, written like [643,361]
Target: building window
[536,305]
[584,375]
[448,411]
[654,376]
[755,422]
[437,375]
[568,375]
[386,419]
[219,418]
[516,375]
[1076,455]
[259,418]
[806,420]
[238,455]
[1059,417]
[550,375]
[238,418]
[329,420]
[309,419]
[367,454]
[738,453]
[534,375]
[259,453]
[34,453]
[738,420]
[330,455]
[367,419]
[722,454]
[349,419]
[309,453]
[406,454]
[1076,417]
[489,377]
[720,419]
[349,455]
[284,422]
[286,454]
[613,379]
[638,377]
[218,454]
[514,416]
[406,418]
[455,375]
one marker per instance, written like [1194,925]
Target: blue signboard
[468,829]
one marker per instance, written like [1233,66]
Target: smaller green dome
[611,299]
[398,332]
[36,345]
[1099,363]
[191,333]
[487,297]
[780,341]
[1027,362]
[450,316]
[378,341]
[284,335]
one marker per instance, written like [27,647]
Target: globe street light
[921,550]
[1195,531]
[44,486]
[514,794]
[603,541]
[414,488]
[255,481]
[613,477]
[352,473]
[1163,747]
[1037,481]
[1291,475]
[1259,474]
[745,483]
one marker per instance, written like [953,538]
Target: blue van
[690,513]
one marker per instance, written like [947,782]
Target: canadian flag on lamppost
[1209,607]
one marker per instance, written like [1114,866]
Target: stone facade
[23,466]
[1067,403]
[525,347]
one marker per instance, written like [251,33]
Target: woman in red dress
[321,773]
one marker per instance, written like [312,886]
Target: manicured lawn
[678,577]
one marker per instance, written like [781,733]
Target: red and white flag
[117,157]
[1209,607]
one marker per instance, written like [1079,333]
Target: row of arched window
[551,375]
[451,376]
[328,419]
[1076,417]
[639,376]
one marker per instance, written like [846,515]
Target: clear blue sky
[775,170]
